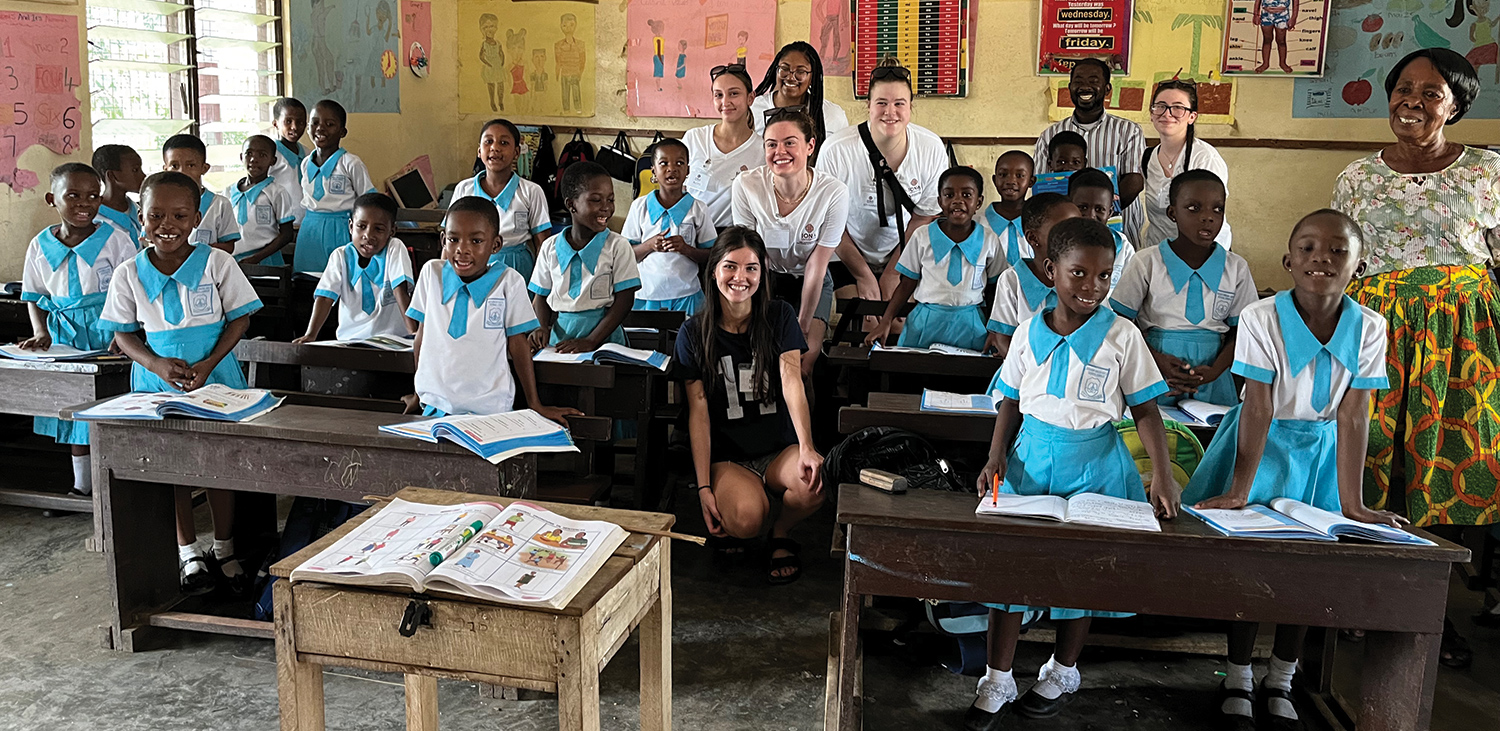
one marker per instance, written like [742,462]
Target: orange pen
[995,493]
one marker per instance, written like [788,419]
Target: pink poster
[416,35]
[38,80]
[675,43]
[830,31]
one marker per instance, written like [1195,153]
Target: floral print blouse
[1446,218]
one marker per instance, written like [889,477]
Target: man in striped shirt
[1113,141]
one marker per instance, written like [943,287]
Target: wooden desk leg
[578,679]
[849,711]
[1400,674]
[299,685]
[140,563]
[656,651]
[421,703]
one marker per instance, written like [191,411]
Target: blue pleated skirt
[191,344]
[321,233]
[1197,348]
[688,304]
[516,257]
[961,326]
[574,325]
[274,260]
[1300,462]
[74,323]
[1052,460]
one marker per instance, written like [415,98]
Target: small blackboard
[410,190]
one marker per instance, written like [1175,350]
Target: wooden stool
[559,651]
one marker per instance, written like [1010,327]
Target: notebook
[1289,519]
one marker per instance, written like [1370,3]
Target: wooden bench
[556,651]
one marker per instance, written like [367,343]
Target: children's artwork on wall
[673,44]
[39,79]
[1172,38]
[1366,39]
[348,51]
[416,35]
[526,58]
[831,35]
[1275,37]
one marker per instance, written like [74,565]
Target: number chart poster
[348,51]
[38,78]
[1365,40]
[1074,29]
[534,57]
[1172,38]
[1285,38]
[673,44]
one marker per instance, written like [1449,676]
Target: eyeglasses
[729,68]
[883,73]
[801,72]
[1176,110]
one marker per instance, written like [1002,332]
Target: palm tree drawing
[1198,20]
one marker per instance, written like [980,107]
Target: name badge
[105,274]
[494,313]
[263,216]
[1223,299]
[338,184]
[1091,383]
[777,239]
[698,180]
[201,301]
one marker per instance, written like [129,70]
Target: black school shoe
[1271,721]
[1235,722]
[237,587]
[978,719]
[1033,705]
[197,583]
[59,512]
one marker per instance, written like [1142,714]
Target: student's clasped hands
[176,372]
[1181,378]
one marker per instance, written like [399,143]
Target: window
[159,67]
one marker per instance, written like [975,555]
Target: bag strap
[578,137]
[622,144]
[884,174]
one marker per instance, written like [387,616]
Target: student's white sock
[225,550]
[1280,676]
[1238,677]
[83,477]
[1056,679]
[996,688]
[185,554]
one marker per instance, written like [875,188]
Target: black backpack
[893,450]
[578,149]
[544,167]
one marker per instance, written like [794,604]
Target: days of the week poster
[1074,29]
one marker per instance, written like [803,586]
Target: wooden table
[895,370]
[560,651]
[308,451]
[32,388]
[931,545]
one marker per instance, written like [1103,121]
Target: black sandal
[198,582]
[794,561]
[1234,721]
[1455,652]
[1271,720]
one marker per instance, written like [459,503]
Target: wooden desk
[45,389]
[898,370]
[559,651]
[930,544]
[295,450]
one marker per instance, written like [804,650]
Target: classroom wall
[24,214]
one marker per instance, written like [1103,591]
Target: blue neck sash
[1302,347]
[1084,342]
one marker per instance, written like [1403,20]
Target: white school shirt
[469,374]
[817,221]
[209,285]
[340,282]
[1013,243]
[265,206]
[344,178]
[287,170]
[845,158]
[1155,196]
[1019,296]
[604,267]
[127,221]
[1274,346]
[218,225]
[521,203]
[45,271]
[979,257]
[834,119]
[1124,252]
[1108,367]
[711,173]
[1113,142]
[669,275]
[1155,286]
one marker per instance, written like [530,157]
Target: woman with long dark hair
[748,417]
[795,81]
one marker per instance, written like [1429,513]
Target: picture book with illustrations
[214,401]
[57,352]
[495,437]
[958,403]
[1195,413]
[608,353]
[394,343]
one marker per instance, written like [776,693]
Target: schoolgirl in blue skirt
[332,178]
[1071,372]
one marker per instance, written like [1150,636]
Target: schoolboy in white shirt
[186,154]
[370,277]
[671,233]
[289,122]
[261,207]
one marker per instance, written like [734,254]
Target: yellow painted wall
[24,214]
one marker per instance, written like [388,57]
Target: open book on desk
[957,403]
[214,401]
[1084,509]
[1293,520]
[394,343]
[57,352]
[1193,412]
[941,348]
[495,437]
[520,554]
[606,354]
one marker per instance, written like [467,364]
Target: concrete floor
[747,656]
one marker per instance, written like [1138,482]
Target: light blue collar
[375,270]
[478,290]
[243,199]
[589,254]
[1032,289]
[970,247]
[1009,232]
[56,252]
[1084,342]
[129,219]
[188,275]
[205,201]
[507,194]
[1210,273]
[677,213]
[313,170]
[1302,347]
[293,157]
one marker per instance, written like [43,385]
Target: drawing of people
[658,51]
[538,77]
[515,45]
[372,547]
[468,560]
[392,534]
[322,57]
[681,63]
[744,48]
[384,31]
[569,56]
[577,541]
[1485,52]
[1275,18]
[524,580]
[409,520]
[832,11]
[512,521]
[492,61]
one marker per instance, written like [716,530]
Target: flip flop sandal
[1455,652]
[793,561]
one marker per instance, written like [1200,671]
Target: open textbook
[58,351]
[520,553]
[1195,413]
[1084,509]
[958,403]
[214,401]
[606,354]
[495,437]
[942,348]
[395,343]
[1292,520]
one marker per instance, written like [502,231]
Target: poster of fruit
[1367,37]
[673,44]
[1172,38]
[1275,37]
[1073,29]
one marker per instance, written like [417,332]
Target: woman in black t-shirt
[748,416]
